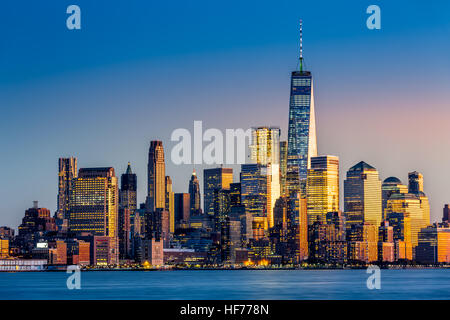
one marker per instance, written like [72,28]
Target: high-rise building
[214,179]
[265,150]
[94,204]
[415,182]
[362,195]
[235,194]
[194,192]
[302,143]
[409,205]
[66,173]
[415,187]
[170,203]
[128,190]
[434,244]
[254,189]
[446,214]
[182,207]
[390,186]
[156,197]
[322,189]
[283,167]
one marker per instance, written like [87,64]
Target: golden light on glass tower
[283,168]
[94,205]
[322,188]
[410,206]
[415,186]
[362,195]
[265,150]
[156,197]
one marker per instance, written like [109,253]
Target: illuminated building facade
[156,197]
[390,186]
[283,167]
[362,195]
[302,143]
[66,173]
[434,244]
[265,150]
[170,203]
[322,189]
[128,190]
[213,179]
[94,206]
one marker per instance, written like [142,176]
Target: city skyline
[412,149]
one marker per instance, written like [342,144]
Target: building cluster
[284,209]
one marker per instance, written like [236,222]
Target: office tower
[216,178]
[170,203]
[410,206]
[390,186]
[128,190]
[302,144]
[362,195]
[67,171]
[386,246]
[363,242]
[230,233]
[124,233]
[283,167]
[182,208]
[235,194]
[322,190]
[94,204]
[156,197]
[434,244]
[265,150]
[446,214]
[254,188]
[194,192]
[415,186]
[415,182]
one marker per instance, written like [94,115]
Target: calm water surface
[223,284]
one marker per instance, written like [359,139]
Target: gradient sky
[137,70]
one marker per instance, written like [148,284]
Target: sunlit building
[94,206]
[362,195]
[302,142]
[322,190]
[434,244]
[390,186]
[156,196]
[415,186]
[170,203]
[283,167]
[265,150]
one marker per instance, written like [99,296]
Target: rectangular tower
[66,173]
[214,179]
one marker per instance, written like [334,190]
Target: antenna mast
[301,45]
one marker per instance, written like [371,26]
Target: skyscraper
[214,179]
[156,197]
[170,203]
[446,214]
[194,192]
[415,186]
[66,173]
[390,186]
[94,205]
[302,143]
[362,195]
[283,167]
[322,190]
[265,150]
[128,190]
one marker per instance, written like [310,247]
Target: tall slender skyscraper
[362,195]
[194,192]
[302,143]
[265,150]
[66,173]
[170,203]
[322,191]
[128,189]
[156,197]
[283,167]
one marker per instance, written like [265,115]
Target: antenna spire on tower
[301,45]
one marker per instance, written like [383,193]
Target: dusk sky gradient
[137,70]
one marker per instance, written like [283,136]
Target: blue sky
[138,70]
